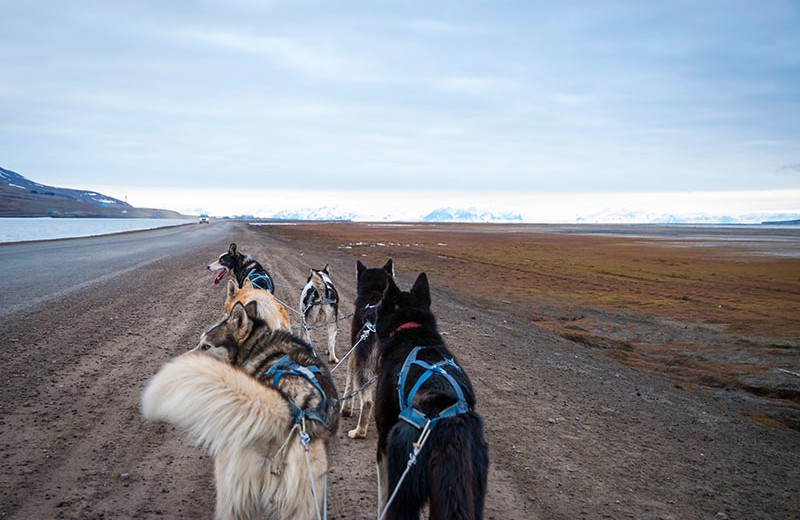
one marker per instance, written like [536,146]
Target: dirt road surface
[572,434]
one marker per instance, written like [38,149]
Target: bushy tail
[218,404]
[459,465]
[451,471]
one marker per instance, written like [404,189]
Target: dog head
[371,282]
[225,263]
[246,294]
[375,279]
[399,307]
[318,278]
[223,340]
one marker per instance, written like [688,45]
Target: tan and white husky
[269,308]
[229,396]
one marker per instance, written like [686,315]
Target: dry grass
[746,295]
[726,313]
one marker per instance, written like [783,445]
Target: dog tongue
[222,272]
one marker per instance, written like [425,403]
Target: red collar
[404,326]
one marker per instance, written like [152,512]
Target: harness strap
[317,300]
[414,416]
[260,277]
[285,366]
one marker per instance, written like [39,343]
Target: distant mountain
[21,197]
[626,216]
[323,213]
[470,215]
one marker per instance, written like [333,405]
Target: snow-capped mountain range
[470,215]
[478,215]
[323,213]
[437,215]
[627,216]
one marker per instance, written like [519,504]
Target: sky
[259,105]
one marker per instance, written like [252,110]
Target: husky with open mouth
[243,266]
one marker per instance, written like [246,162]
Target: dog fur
[319,303]
[218,394]
[242,266]
[361,367]
[268,307]
[451,470]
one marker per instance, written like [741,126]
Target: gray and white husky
[319,303]
[242,393]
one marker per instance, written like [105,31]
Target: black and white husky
[362,365]
[242,393]
[244,267]
[319,304]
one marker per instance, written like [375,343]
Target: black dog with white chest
[421,387]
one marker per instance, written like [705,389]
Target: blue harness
[285,366]
[260,281]
[407,411]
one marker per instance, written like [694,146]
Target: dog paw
[356,434]
[333,360]
[347,412]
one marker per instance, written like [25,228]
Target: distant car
[203,219]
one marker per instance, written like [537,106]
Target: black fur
[370,285]
[451,470]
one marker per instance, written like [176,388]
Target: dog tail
[217,403]
[458,467]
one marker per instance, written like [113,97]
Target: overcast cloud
[532,97]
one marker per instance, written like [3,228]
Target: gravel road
[86,322]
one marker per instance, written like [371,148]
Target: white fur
[319,314]
[243,423]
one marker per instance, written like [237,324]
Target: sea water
[26,229]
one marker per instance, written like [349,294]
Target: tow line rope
[305,441]
[305,325]
[412,459]
[366,330]
[358,390]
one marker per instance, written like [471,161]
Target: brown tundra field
[622,372]
[715,310]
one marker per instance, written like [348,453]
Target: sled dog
[243,266]
[319,304]
[243,393]
[268,307]
[361,367]
[422,387]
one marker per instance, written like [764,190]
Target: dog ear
[391,293]
[232,288]
[389,268]
[422,290]
[325,269]
[240,321]
[251,309]
[247,283]
[232,249]
[360,268]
